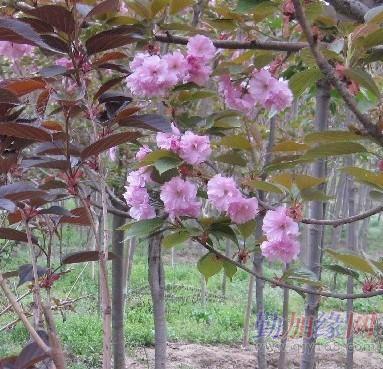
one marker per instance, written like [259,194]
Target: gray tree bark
[157,289]
[315,235]
[118,301]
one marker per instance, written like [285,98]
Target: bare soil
[195,356]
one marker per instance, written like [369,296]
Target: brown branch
[20,313]
[332,222]
[274,282]
[328,71]
[238,45]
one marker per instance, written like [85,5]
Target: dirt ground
[194,356]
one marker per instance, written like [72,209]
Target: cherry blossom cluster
[154,75]
[281,232]
[13,51]
[178,195]
[225,196]
[262,89]
[193,149]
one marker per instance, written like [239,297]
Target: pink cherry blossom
[145,211]
[236,96]
[14,51]
[140,177]
[169,141]
[277,225]
[142,152]
[201,47]
[285,249]
[280,97]
[138,199]
[150,76]
[198,71]
[194,149]
[177,64]
[222,191]
[179,198]
[261,85]
[242,210]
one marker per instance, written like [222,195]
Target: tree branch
[350,8]
[238,45]
[329,74]
[275,282]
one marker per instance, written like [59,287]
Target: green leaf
[156,155]
[356,262]
[290,146]
[247,229]
[236,142]
[157,5]
[209,265]
[178,5]
[331,136]
[337,148]
[223,230]
[175,238]
[376,195]
[363,78]
[245,6]
[304,181]
[165,164]
[310,194]
[301,274]
[365,176]
[232,157]
[374,15]
[300,81]
[230,269]
[143,228]
[341,270]
[263,186]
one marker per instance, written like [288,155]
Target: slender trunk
[315,235]
[285,328]
[157,289]
[224,278]
[118,283]
[351,238]
[249,305]
[128,263]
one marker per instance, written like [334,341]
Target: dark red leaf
[56,210]
[21,87]
[57,148]
[79,217]
[55,15]
[7,362]
[38,25]
[8,97]
[106,86]
[108,142]
[56,43]
[15,235]
[53,184]
[84,256]
[20,191]
[116,37]
[153,122]
[16,31]
[53,71]
[24,131]
[14,217]
[6,275]
[45,163]
[107,6]
[42,102]
[107,57]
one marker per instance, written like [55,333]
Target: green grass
[189,319]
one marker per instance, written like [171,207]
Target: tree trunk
[118,284]
[350,281]
[157,289]
[315,235]
[285,328]
[249,305]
